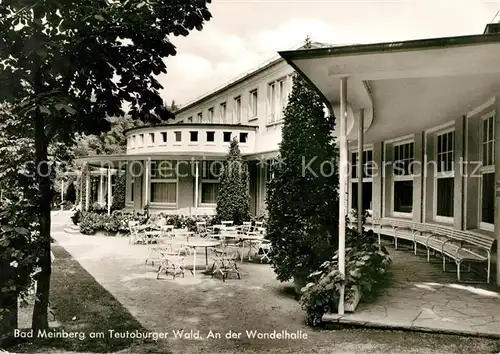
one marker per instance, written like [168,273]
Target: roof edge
[231,84]
[416,44]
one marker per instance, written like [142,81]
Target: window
[211,115]
[237,109]
[200,118]
[178,136]
[163,182]
[487,192]
[190,120]
[281,99]
[271,102]
[367,179]
[222,112]
[164,137]
[132,141]
[403,178]
[243,138]
[193,136]
[445,174]
[253,104]
[211,171]
[210,137]
[227,137]
[152,138]
[141,140]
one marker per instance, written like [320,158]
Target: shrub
[233,201]
[90,222]
[302,202]
[76,216]
[119,193]
[365,267]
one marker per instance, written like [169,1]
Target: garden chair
[201,229]
[259,224]
[227,223]
[166,230]
[246,228]
[136,234]
[224,261]
[261,247]
[172,261]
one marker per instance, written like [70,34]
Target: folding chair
[262,247]
[172,260]
[224,261]
[201,229]
[136,234]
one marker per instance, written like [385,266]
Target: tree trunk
[40,318]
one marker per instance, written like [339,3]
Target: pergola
[388,90]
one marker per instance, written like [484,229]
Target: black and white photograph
[249,176]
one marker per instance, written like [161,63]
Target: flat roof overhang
[120,161]
[409,86]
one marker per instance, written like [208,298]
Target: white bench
[458,245]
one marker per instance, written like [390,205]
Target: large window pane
[367,195]
[209,192]
[163,192]
[403,196]
[488,198]
[445,187]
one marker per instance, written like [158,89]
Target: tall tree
[67,66]
[302,195]
[233,201]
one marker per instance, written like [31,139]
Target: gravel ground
[256,302]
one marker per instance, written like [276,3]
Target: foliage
[366,268]
[302,199]
[233,201]
[119,193]
[71,193]
[76,216]
[93,221]
[66,67]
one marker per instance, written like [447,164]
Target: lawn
[82,306]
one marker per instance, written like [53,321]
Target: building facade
[174,168]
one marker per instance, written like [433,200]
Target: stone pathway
[422,297]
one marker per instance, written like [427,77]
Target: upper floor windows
[277,97]
[223,113]
[211,115]
[253,104]
[237,110]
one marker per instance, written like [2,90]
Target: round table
[194,243]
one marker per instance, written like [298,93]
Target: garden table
[195,243]
[248,238]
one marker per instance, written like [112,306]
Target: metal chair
[172,260]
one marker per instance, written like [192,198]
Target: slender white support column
[81,188]
[101,188]
[196,185]
[87,189]
[360,171]
[62,194]
[109,191]
[342,185]
[146,182]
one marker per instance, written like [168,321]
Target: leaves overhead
[85,59]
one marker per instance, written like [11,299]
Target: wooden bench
[458,245]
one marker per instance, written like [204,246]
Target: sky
[243,34]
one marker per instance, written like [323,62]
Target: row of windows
[277,96]
[164,179]
[138,140]
[402,185]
